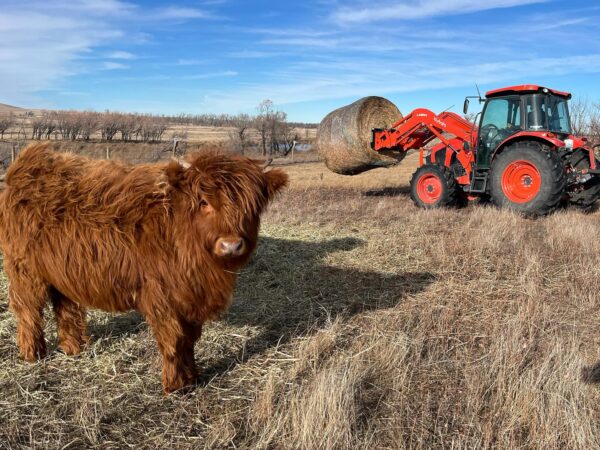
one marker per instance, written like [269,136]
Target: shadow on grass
[591,374]
[289,290]
[389,192]
[119,325]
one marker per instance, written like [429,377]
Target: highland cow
[164,239]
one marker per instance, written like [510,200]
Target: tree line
[83,125]
[585,119]
[267,129]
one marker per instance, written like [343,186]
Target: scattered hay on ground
[362,322]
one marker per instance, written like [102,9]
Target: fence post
[13,151]
[107,153]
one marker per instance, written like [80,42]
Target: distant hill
[8,108]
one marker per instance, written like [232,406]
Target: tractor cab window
[547,112]
[501,118]
[535,112]
[558,114]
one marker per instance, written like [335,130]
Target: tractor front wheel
[433,186]
[529,178]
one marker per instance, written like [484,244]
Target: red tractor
[522,155]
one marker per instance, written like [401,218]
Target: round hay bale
[344,136]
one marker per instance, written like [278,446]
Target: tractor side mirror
[466,106]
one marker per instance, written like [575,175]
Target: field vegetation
[362,322]
[267,132]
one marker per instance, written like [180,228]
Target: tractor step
[478,182]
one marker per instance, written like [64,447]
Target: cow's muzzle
[230,247]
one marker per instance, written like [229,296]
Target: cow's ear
[277,179]
[175,171]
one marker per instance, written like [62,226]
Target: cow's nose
[233,247]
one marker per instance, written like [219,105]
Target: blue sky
[309,57]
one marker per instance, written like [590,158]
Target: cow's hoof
[70,348]
[34,354]
[180,385]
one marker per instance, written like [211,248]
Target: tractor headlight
[569,143]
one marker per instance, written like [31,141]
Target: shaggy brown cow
[165,239]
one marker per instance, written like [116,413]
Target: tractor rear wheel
[433,186]
[529,178]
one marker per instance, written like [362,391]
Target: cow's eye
[203,204]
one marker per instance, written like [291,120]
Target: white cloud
[179,13]
[205,76]
[189,62]
[417,9]
[44,43]
[355,79]
[253,54]
[119,54]
[42,47]
[110,65]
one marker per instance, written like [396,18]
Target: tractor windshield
[547,112]
[501,119]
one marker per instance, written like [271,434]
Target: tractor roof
[524,88]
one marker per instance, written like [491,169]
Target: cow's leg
[27,297]
[172,341]
[192,332]
[70,320]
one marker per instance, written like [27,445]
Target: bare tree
[109,125]
[6,122]
[89,123]
[50,123]
[276,135]
[580,110]
[279,132]
[152,128]
[263,124]
[129,126]
[585,119]
[38,126]
[43,125]
[594,124]
[286,138]
[68,124]
[238,136]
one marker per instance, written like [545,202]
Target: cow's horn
[267,163]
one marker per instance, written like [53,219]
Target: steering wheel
[491,131]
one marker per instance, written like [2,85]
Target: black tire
[446,189]
[550,177]
[584,200]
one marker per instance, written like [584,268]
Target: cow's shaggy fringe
[101,234]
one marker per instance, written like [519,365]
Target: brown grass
[362,322]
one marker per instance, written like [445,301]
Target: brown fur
[101,234]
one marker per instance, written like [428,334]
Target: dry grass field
[361,323]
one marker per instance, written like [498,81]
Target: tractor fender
[542,138]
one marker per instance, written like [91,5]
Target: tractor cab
[525,110]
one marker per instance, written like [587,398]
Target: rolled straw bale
[344,136]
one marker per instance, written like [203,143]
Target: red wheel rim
[429,188]
[521,181]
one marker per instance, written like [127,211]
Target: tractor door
[501,118]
